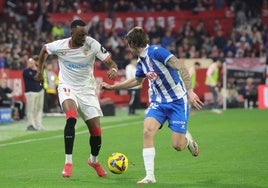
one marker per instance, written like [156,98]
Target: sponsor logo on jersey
[76,66]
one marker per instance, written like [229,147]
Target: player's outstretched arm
[122,85]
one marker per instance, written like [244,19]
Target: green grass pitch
[233,153]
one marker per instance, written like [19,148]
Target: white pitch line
[60,136]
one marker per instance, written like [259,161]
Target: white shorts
[87,103]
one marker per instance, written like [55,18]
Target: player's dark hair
[76,23]
[137,38]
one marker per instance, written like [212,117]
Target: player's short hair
[76,23]
[137,38]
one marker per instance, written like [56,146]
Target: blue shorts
[176,113]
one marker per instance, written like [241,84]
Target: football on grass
[117,163]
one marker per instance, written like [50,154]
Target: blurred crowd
[25,26]
[24,35]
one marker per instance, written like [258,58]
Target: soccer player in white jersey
[77,88]
[169,95]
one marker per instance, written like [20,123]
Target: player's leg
[178,123]
[68,102]
[95,145]
[70,109]
[181,141]
[91,113]
[151,126]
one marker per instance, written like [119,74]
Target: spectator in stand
[168,40]
[250,93]
[219,40]
[207,44]
[6,93]
[3,61]
[215,52]
[58,30]
[199,7]
[34,94]
[258,24]
[256,37]
[217,27]
[245,27]
[7,100]
[153,35]
[219,4]
[193,53]
[231,95]
[241,47]
[229,47]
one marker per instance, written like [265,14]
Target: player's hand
[112,74]
[105,86]
[194,99]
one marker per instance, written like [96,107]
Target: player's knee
[148,132]
[71,114]
[95,131]
[179,146]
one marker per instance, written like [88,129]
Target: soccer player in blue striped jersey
[169,94]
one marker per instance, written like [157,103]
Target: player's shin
[95,143]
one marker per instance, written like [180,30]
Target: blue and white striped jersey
[165,84]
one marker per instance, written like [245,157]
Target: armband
[114,69]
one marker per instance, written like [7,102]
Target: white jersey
[76,65]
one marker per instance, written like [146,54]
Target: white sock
[94,159]
[68,158]
[148,159]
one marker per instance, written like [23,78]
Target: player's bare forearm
[178,65]
[127,84]
[41,61]
[113,69]
[186,78]
[111,64]
[122,85]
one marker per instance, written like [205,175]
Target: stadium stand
[204,28]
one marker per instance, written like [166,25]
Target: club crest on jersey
[85,52]
[152,76]
[103,50]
